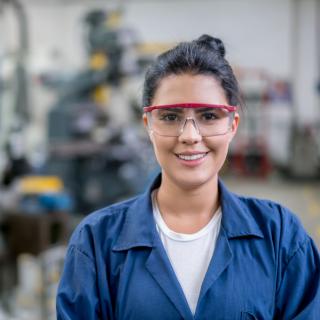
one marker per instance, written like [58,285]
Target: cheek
[219,146]
[218,143]
[162,146]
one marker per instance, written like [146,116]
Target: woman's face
[189,174]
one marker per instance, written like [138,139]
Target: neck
[187,210]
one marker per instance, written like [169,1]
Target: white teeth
[192,157]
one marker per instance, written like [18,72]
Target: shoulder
[100,227]
[110,213]
[272,213]
[269,211]
[277,223]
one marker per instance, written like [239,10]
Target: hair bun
[214,43]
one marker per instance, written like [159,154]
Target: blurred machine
[30,220]
[304,152]
[99,160]
[18,56]
[250,150]
[14,98]
[272,137]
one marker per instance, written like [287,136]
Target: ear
[146,125]
[145,120]
[235,125]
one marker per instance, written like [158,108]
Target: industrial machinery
[30,220]
[99,159]
[304,152]
[250,152]
[14,99]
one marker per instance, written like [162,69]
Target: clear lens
[209,121]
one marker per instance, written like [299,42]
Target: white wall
[305,56]
[257,33]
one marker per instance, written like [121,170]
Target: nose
[189,132]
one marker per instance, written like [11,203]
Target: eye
[170,117]
[209,115]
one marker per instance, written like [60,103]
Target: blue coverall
[264,266]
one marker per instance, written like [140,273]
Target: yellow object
[114,19]
[40,184]
[101,94]
[154,48]
[98,61]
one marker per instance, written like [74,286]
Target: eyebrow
[182,110]
[205,109]
[178,110]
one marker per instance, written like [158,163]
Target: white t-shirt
[189,254]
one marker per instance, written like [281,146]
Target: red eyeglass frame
[191,106]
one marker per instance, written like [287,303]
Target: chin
[193,181]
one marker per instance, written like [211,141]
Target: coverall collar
[139,229]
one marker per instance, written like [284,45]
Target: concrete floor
[302,197]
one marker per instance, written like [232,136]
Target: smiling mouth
[192,157]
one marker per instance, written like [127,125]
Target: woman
[188,248]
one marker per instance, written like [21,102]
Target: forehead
[189,88]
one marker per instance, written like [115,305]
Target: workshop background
[71,137]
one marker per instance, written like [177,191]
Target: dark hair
[205,55]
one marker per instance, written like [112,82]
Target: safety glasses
[208,119]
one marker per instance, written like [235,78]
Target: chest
[238,284]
